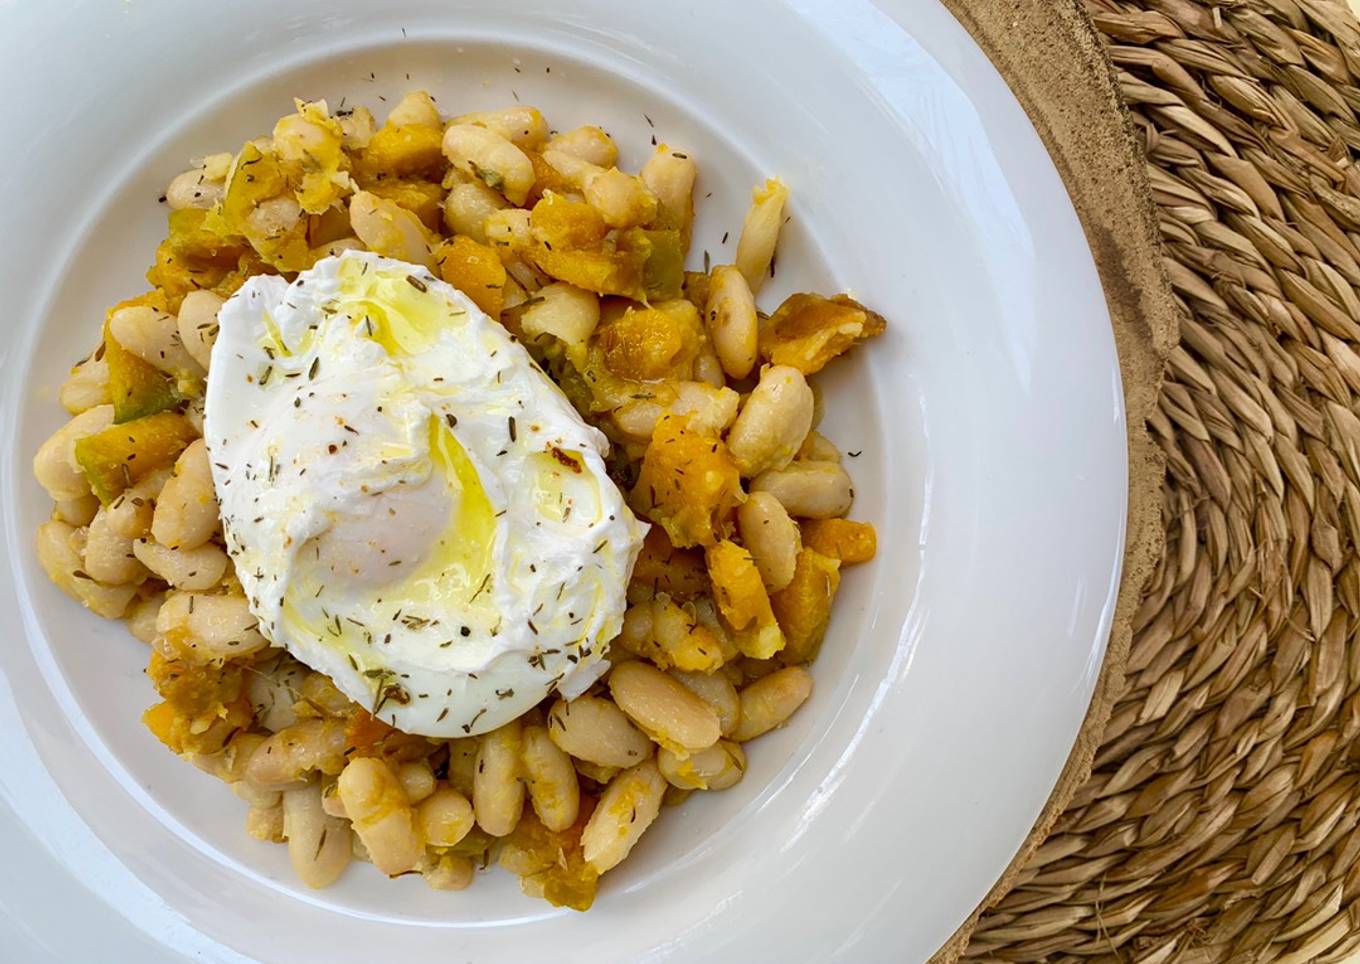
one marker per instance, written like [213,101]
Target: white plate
[988,423]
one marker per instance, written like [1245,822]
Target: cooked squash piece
[649,344]
[410,150]
[474,269]
[118,456]
[424,199]
[330,225]
[663,261]
[742,600]
[546,178]
[551,863]
[688,484]
[803,607]
[662,568]
[563,224]
[204,704]
[695,288]
[842,539]
[808,330]
[195,254]
[594,269]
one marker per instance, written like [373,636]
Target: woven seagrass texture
[1221,820]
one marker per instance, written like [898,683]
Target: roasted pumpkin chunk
[564,224]
[118,456]
[803,607]
[198,253]
[424,199]
[551,863]
[203,704]
[742,600]
[662,568]
[649,344]
[808,330]
[408,150]
[842,539]
[475,270]
[688,484]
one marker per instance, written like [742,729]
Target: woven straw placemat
[1221,819]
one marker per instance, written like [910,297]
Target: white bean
[76,512]
[284,760]
[818,448]
[273,688]
[497,793]
[55,466]
[669,175]
[197,324]
[707,368]
[771,700]
[553,788]
[381,816]
[200,568]
[594,771]
[130,514]
[141,618]
[809,490]
[186,509]
[773,423]
[760,232]
[254,796]
[86,386]
[484,154]
[357,129]
[444,817]
[265,824]
[205,627]
[61,561]
[321,692]
[468,205]
[417,779]
[415,109]
[193,189]
[389,229]
[565,312]
[330,800]
[575,170]
[153,336]
[449,872]
[718,692]
[340,246]
[274,217]
[594,729]
[520,125]
[588,143]
[627,808]
[109,556]
[622,200]
[508,230]
[229,764]
[731,319]
[711,410]
[318,844]
[771,537]
[717,768]
[664,708]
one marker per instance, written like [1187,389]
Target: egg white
[412,506]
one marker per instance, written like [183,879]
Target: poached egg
[412,506]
